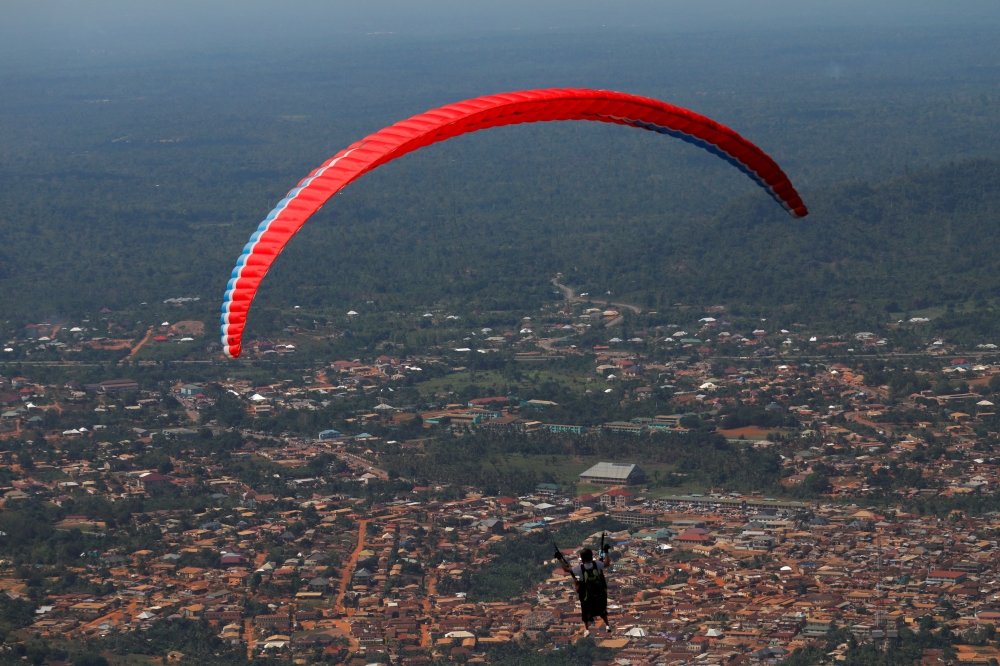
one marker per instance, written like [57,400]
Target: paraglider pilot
[591,586]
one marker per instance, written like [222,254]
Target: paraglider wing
[469,116]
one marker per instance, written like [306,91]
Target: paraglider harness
[591,586]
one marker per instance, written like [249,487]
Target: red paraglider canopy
[469,116]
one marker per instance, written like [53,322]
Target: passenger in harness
[591,586]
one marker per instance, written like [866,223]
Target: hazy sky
[31,27]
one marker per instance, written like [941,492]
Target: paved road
[857,418]
[547,343]
[351,458]
[570,295]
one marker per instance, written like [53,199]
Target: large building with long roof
[614,474]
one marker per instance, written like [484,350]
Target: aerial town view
[339,516]
[513,333]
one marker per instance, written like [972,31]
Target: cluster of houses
[714,578]
[720,578]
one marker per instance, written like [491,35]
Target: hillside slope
[923,239]
[928,238]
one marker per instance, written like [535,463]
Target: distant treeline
[153,194]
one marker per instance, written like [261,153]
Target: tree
[816,484]
[25,460]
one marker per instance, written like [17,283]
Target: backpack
[592,584]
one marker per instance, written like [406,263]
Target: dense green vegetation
[483,459]
[582,653]
[121,188]
[939,640]
[517,563]
[14,614]
[197,640]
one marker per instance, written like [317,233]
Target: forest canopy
[148,189]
